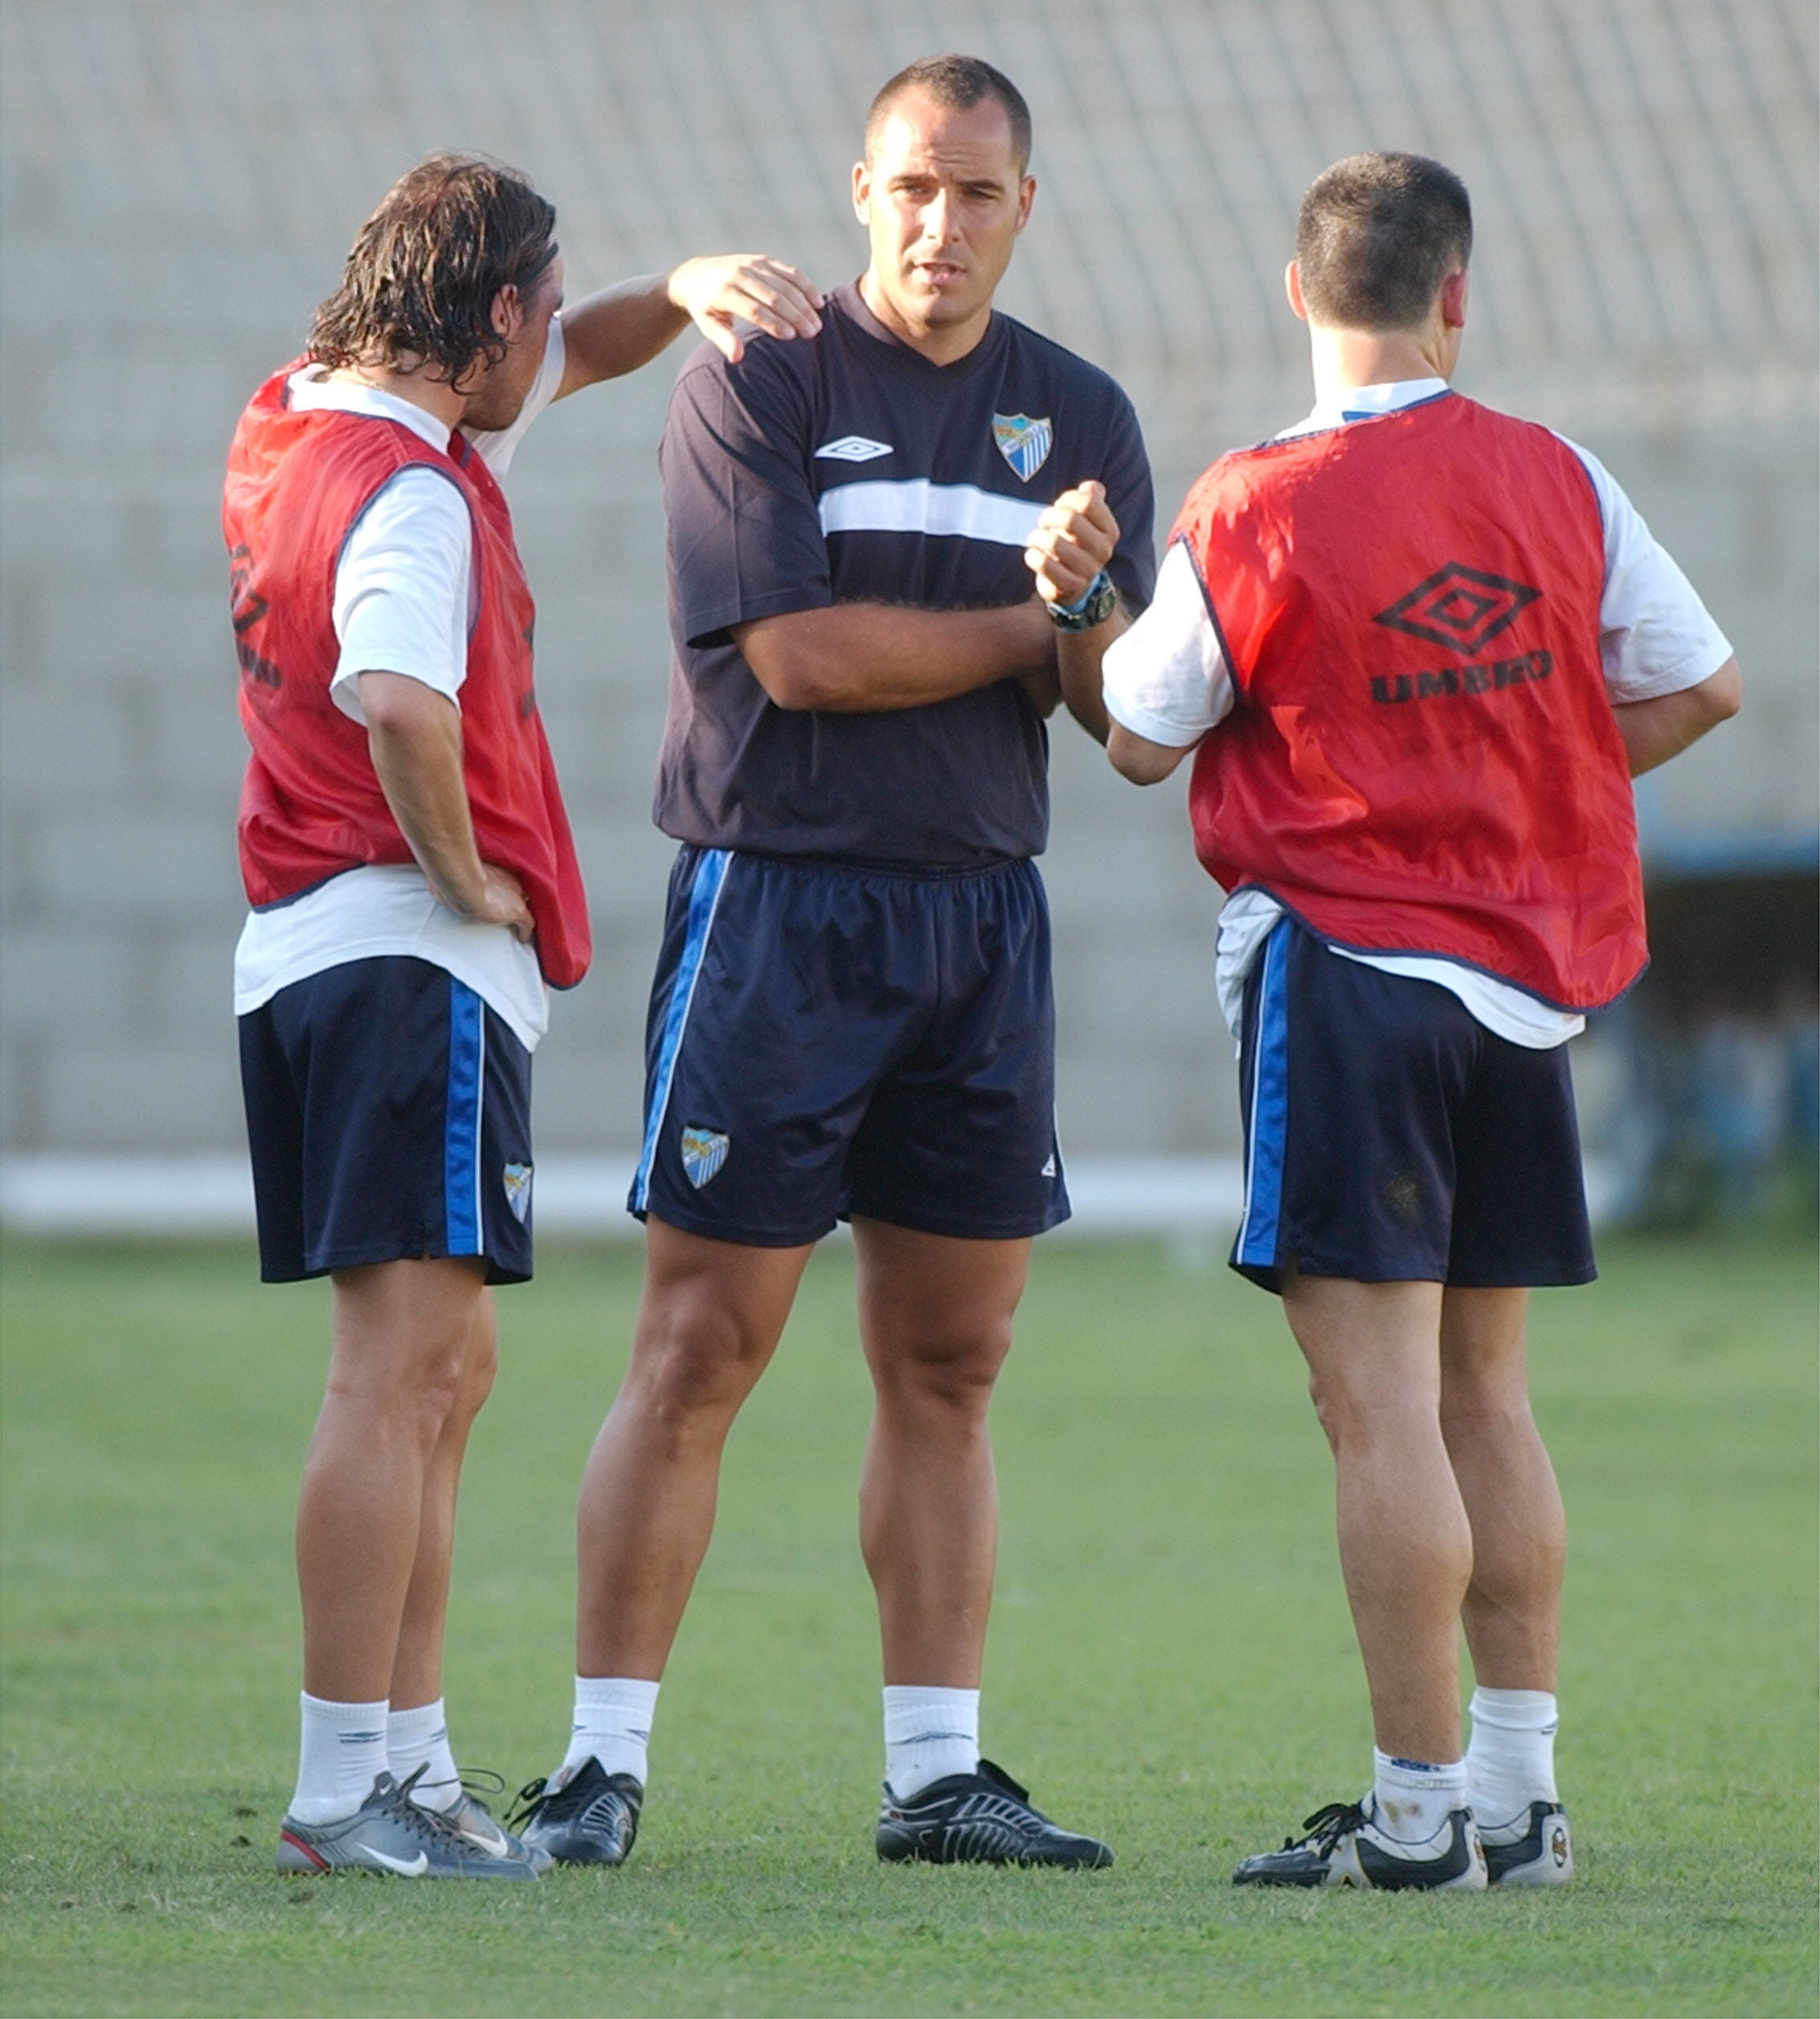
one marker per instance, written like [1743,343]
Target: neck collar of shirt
[1340,404]
[313,390]
[853,304]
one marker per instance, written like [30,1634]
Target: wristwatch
[1093,607]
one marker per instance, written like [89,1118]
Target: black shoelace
[1326,1827]
[429,1823]
[532,1797]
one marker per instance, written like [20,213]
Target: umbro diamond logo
[1459,607]
[854,448]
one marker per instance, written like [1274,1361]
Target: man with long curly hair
[414,894]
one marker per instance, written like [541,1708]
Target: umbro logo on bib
[1460,607]
[853,449]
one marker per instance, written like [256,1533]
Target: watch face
[1101,603]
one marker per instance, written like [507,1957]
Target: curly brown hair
[420,282]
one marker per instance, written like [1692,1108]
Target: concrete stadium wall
[181,181]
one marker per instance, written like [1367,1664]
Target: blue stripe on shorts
[461,1130]
[1270,1109]
[710,875]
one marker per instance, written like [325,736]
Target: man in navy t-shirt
[885,547]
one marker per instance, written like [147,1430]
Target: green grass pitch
[1171,1665]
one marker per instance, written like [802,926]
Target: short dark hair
[1377,235]
[958,83]
[423,272]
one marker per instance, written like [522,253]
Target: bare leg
[709,1323]
[402,1331]
[936,1316]
[417,1672]
[1513,1605]
[1405,1548]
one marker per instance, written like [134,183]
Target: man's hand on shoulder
[720,292]
[622,327]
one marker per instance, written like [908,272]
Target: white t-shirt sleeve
[496,447]
[1166,679]
[403,588]
[1655,636]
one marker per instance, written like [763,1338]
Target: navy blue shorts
[389,1114]
[827,1040]
[1390,1137]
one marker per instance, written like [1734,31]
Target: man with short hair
[414,894]
[853,1016]
[1419,648]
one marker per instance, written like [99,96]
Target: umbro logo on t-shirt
[854,448]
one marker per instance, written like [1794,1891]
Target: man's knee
[413,1342]
[951,1366]
[413,1393]
[480,1365]
[695,1358]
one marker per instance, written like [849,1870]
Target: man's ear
[1026,196]
[862,192]
[1453,300]
[508,312]
[1292,287]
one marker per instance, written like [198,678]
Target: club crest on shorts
[517,1181]
[1024,442]
[703,1153]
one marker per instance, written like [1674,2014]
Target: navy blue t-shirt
[849,469]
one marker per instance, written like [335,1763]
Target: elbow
[1139,760]
[803,688]
[778,658]
[1723,694]
[796,680]
[797,688]
[400,709]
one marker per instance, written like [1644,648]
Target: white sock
[1511,1761]
[343,1753]
[613,1718]
[929,1733]
[1414,1798]
[420,1738]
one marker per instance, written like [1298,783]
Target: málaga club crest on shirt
[1024,442]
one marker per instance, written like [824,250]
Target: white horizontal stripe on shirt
[960,510]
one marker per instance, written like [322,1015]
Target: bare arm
[622,327]
[869,658]
[413,733]
[1655,730]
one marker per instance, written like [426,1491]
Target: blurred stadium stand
[181,179]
